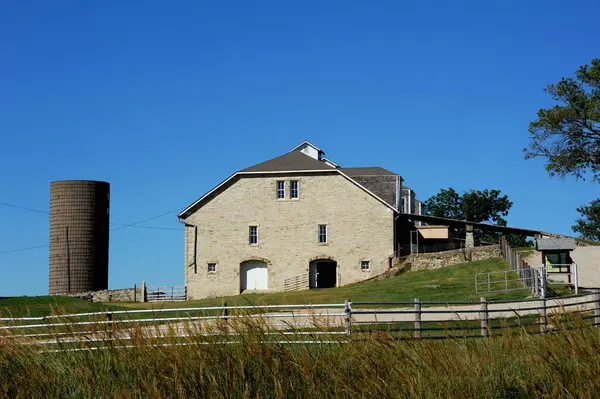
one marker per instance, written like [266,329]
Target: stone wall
[437,260]
[117,295]
[359,228]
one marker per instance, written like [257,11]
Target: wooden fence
[528,275]
[296,283]
[321,323]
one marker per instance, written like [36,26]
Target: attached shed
[556,253]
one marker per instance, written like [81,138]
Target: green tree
[568,137]
[568,134]
[445,204]
[589,223]
[487,206]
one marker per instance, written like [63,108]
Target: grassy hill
[46,305]
[455,283]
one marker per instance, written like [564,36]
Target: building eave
[287,172]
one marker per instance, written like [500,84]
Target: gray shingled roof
[292,161]
[368,171]
[553,244]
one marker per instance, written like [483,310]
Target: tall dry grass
[563,363]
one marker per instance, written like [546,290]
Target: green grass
[45,305]
[454,283]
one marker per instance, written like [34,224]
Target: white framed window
[280,191]
[212,267]
[294,189]
[253,235]
[322,233]
[365,265]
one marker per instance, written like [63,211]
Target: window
[294,189]
[280,189]
[212,267]
[322,233]
[365,265]
[253,234]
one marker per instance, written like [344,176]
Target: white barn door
[254,276]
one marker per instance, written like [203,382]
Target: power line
[122,225]
[146,220]
[147,227]
[24,249]
[24,208]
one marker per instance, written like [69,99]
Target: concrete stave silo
[79,233]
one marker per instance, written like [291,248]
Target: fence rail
[321,323]
[296,283]
[166,293]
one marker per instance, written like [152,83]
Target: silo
[79,217]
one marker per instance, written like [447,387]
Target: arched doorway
[253,275]
[323,273]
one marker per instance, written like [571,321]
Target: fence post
[484,317]
[597,307]
[135,293]
[417,330]
[143,289]
[543,317]
[109,325]
[543,281]
[225,312]
[348,311]
[576,278]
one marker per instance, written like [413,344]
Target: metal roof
[461,223]
[553,244]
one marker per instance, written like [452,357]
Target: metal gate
[525,279]
[534,279]
[568,270]
[166,293]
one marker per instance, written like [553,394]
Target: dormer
[310,149]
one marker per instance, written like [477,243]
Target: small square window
[280,191]
[253,235]
[322,233]
[212,267]
[365,265]
[294,192]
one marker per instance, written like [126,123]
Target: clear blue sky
[166,99]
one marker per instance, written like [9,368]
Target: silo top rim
[80,181]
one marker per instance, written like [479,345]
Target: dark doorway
[323,274]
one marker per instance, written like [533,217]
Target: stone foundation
[437,260]
[117,295]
